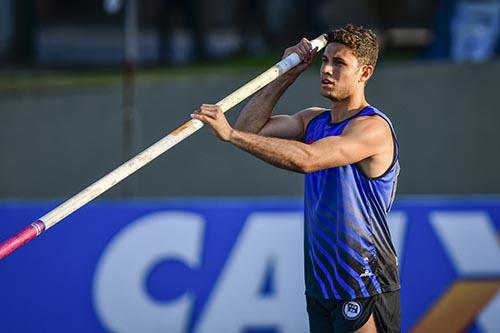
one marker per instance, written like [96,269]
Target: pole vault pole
[47,221]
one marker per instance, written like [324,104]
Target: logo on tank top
[352,310]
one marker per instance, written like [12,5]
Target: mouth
[326,82]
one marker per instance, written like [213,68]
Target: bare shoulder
[309,114]
[373,136]
[371,126]
[290,126]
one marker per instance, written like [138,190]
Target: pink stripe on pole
[23,237]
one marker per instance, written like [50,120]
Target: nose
[326,69]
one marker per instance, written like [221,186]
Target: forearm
[285,154]
[259,109]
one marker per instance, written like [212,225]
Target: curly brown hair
[363,42]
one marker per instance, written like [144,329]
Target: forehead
[338,50]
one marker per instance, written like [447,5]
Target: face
[341,73]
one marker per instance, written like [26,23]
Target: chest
[321,128]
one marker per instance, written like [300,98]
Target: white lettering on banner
[397,222]
[470,239]
[268,239]
[120,298]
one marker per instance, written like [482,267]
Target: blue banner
[235,265]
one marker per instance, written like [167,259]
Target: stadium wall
[55,142]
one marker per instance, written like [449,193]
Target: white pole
[114,177]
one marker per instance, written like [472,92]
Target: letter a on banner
[268,240]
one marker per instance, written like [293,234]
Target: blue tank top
[348,249]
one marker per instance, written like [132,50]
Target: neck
[345,108]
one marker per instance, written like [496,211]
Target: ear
[366,73]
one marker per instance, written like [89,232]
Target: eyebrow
[334,58]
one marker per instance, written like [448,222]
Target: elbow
[308,168]
[306,165]
[303,171]
[242,127]
[239,127]
[314,162]
[307,161]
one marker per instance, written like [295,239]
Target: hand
[213,116]
[305,52]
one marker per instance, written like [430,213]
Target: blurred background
[85,85]
[74,92]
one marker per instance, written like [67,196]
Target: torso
[348,249]
[372,166]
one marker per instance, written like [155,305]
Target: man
[349,154]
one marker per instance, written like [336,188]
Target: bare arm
[257,112]
[364,138]
[290,127]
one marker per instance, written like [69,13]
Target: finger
[206,106]
[203,118]
[306,45]
[209,113]
[287,52]
[211,108]
[298,49]
[196,115]
[312,55]
[306,54]
[302,52]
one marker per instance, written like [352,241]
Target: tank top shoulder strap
[367,111]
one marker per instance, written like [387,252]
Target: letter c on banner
[120,296]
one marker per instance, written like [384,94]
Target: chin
[330,95]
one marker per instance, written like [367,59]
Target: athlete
[349,155]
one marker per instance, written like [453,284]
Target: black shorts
[328,316]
